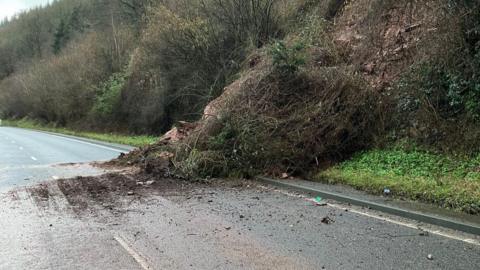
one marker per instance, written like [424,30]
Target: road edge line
[136,256]
[426,218]
[114,146]
[121,148]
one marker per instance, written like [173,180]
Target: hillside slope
[286,88]
[332,89]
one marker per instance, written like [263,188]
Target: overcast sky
[11,7]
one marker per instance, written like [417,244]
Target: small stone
[423,233]
[242,216]
[149,182]
[327,220]
[430,257]
[51,225]
[130,193]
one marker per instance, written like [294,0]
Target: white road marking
[390,220]
[411,225]
[33,158]
[136,255]
[87,143]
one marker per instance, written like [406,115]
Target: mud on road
[136,221]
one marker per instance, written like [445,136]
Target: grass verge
[450,182]
[136,141]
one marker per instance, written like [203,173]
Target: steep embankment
[287,88]
[336,86]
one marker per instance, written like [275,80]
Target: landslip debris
[327,220]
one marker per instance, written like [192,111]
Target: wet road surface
[134,221]
[115,223]
[28,156]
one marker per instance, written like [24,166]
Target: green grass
[451,182]
[137,141]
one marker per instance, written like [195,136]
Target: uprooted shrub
[291,112]
[286,124]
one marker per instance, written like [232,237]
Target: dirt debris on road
[172,223]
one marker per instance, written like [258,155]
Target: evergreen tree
[61,37]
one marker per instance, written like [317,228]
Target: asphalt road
[74,224]
[119,221]
[29,156]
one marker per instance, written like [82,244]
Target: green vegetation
[108,97]
[138,141]
[437,99]
[416,174]
[68,62]
[302,91]
[287,60]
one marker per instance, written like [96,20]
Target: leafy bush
[108,96]
[287,60]
[448,92]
